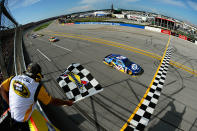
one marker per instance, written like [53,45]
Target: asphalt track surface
[110,109]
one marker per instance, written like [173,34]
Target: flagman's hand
[61,102]
[69,102]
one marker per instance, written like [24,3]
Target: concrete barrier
[166,32]
[183,37]
[153,29]
[18,53]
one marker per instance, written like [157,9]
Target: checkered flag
[78,83]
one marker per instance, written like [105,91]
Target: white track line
[62,47]
[44,55]
[56,45]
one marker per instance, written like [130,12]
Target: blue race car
[123,64]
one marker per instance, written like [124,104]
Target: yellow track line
[147,91]
[133,49]
[102,40]
[106,43]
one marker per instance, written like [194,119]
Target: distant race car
[53,39]
[40,35]
[123,64]
[33,36]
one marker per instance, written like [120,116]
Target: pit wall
[153,29]
[168,32]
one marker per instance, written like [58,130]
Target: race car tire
[110,64]
[130,72]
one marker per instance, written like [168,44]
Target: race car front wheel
[110,64]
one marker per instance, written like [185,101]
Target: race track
[110,109]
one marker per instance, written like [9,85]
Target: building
[165,23]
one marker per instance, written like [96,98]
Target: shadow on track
[94,113]
[171,117]
[61,120]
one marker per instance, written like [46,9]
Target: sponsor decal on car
[134,66]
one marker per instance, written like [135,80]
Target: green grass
[42,26]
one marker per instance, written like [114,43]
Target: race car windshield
[127,62]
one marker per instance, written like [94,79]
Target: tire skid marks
[125,47]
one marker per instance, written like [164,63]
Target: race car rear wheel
[130,72]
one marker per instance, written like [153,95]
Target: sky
[26,11]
